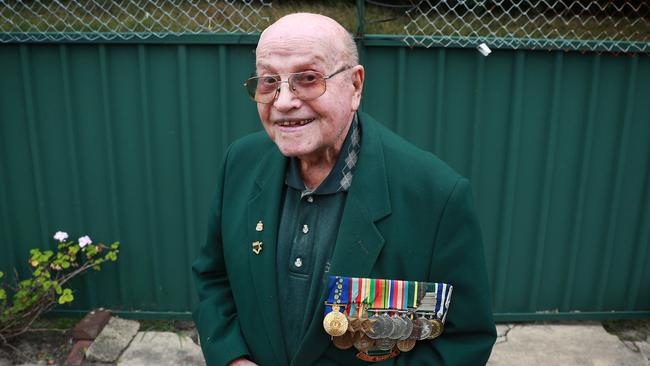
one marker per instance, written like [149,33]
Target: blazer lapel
[359,242]
[264,206]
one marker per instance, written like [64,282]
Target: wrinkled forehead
[312,41]
[297,50]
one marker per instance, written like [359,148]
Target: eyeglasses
[306,85]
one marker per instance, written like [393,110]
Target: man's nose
[285,99]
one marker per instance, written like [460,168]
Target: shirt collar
[340,178]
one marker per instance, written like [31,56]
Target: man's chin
[294,150]
[293,153]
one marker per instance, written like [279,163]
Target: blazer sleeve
[458,259]
[216,315]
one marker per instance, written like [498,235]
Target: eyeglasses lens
[305,85]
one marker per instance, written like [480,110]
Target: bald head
[296,28]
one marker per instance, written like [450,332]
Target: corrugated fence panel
[123,142]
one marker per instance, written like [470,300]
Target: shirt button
[310,199]
[298,262]
[305,229]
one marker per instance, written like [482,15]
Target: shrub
[22,302]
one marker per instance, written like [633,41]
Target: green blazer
[407,216]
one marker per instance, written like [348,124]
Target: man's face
[307,129]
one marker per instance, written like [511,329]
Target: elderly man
[327,191]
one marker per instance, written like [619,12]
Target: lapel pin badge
[259,226]
[257,247]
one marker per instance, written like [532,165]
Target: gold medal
[406,345]
[345,341]
[436,328]
[335,322]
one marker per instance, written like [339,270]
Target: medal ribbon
[450,288]
[352,293]
[338,292]
[414,296]
[378,293]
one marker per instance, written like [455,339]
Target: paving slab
[502,332]
[560,345]
[112,340]
[161,349]
[644,347]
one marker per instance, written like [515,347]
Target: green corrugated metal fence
[121,141]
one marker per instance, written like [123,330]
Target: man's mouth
[294,123]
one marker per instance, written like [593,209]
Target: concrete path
[539,345]
[582,344]
[559,345]
[161,349]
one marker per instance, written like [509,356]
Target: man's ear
[358,75]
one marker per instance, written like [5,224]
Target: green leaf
[3,294]
[111,256]
[66,296]
[2,274]
[46,256]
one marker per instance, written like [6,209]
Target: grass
[236,16]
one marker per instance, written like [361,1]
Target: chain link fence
[24,21]
[585,25]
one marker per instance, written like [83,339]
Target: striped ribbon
[355,293]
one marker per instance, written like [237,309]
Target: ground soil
[51,344]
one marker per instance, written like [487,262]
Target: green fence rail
[122,141]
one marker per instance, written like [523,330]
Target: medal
[362,342]
[335,323]
[375,327]
[345,341]
[381,317]
[398,328]
[426,327]
[416,332]
[408,328]
[386,344]
[354,324]
[406,345]
[436,328]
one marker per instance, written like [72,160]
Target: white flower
[61,236]
[84,240]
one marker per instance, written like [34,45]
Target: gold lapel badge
[257,247]
[259,226]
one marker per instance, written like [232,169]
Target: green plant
[22,302]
